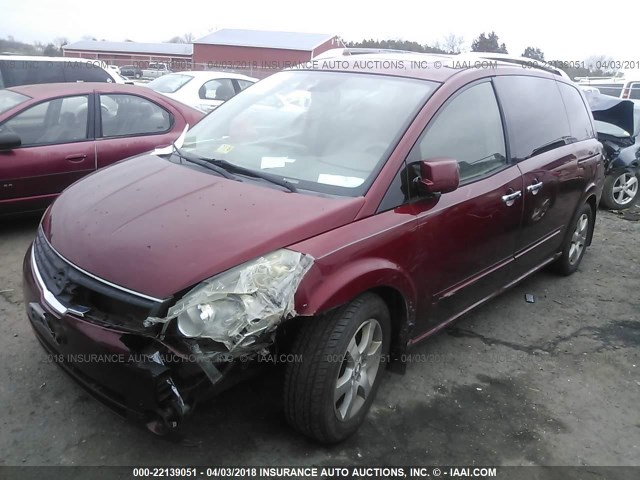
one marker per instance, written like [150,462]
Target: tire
[621,189]
[138,75]
[576,243]
[312,403]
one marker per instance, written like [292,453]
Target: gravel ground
[555,382]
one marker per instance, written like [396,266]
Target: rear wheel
[576,244]
[621,189]
[329,391]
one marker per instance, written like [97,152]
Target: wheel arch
[319,294]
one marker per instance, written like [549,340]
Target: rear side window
[29,72]
[634,91]
[123,115]
[219,89]
[244,84]
[536,117]
[577,113]
[468,129]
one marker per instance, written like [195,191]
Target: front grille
[94,300]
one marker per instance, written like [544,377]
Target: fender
[622,163]
[327,286]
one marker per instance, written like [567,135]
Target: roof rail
[523,61]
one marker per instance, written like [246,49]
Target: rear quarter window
[535,114]
[577,113]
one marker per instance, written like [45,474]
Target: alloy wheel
[358,370]
[579,239]
[625,188]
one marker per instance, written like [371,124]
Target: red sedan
[53,134]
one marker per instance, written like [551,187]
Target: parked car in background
[405,197]
[201,89]
[155,69]
[52,135]
[131,71]
[625,84]
[618,125]
[18,70]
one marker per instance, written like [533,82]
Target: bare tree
[188,37]
[176,39]
[601,65]
[452,43]
[60,42]
[39,46]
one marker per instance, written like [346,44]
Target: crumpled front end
[156,370]
[242,307]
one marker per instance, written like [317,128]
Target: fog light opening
[164,421]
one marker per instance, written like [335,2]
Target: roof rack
[514,59]
[499,57]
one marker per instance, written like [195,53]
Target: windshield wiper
[252,173]
[203,162]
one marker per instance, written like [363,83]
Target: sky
[562,30]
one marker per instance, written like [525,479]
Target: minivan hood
[615,111]
[157,228]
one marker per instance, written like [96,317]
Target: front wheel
[328,392]
[621,189]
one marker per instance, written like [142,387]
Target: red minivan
[330,234]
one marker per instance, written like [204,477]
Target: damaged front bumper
[139,374]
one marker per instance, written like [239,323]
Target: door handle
[535,188]
[510,198]
[76,158]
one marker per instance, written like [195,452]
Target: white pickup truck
[155,70]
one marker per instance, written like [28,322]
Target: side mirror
[439,175]
[9,141]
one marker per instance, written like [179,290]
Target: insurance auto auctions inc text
[374,472]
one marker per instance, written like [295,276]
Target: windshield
[169,83]
[9,99]
[324,131]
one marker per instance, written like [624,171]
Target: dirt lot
[555,382]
